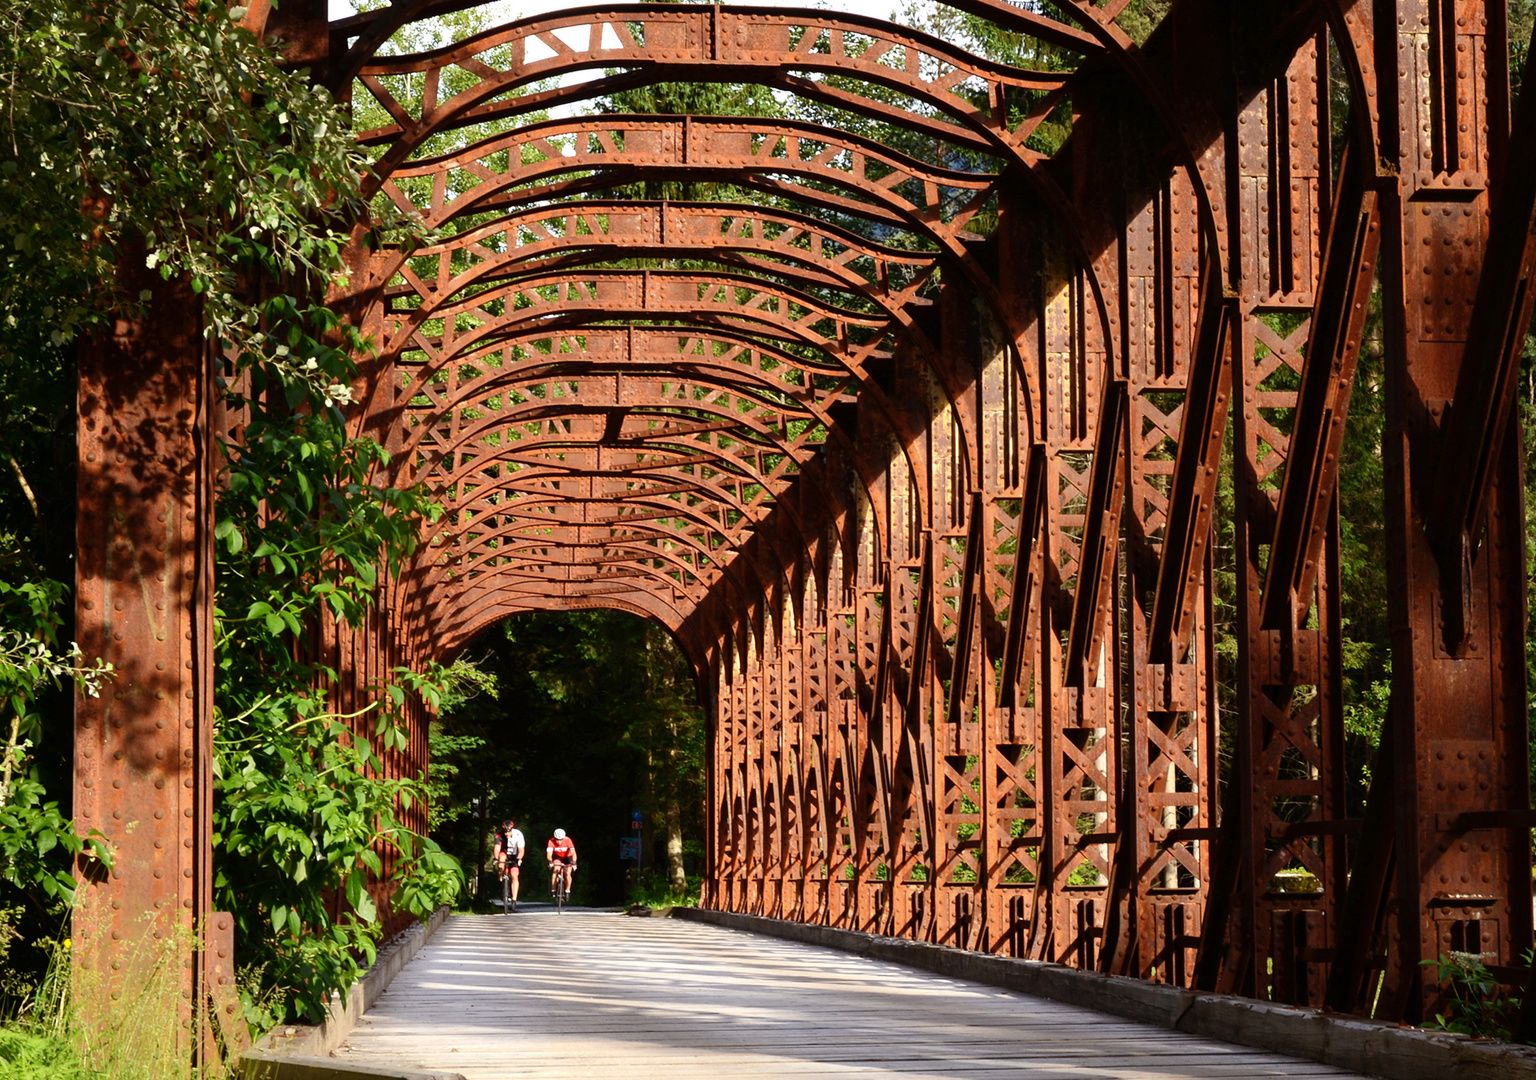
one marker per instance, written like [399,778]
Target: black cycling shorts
[565,860]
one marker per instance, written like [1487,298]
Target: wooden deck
[589,994]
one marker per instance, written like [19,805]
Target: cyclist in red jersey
[561,855]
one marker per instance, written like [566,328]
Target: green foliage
[1478,1003]
[304,812]
[1367,648]
[1522,22]
[1141,17]
[462,681]
[33,828]
[163,132]
[32,1055]
[654,889]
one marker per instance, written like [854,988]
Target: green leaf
[227,531]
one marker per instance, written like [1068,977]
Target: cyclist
[509,849]
[561,853]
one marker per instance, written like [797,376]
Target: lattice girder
[780,242]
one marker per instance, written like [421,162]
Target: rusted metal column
[791,764]
[809,732]
[729,738]
[768,756]
[844,811]
[717,844]
[1304,314]
[782,788]
[1021,699]
[144,585]
[1077,753]
[1458,724]
[975,342]
[1161,869]
[743,831]
[786,708]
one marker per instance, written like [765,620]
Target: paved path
[589,994]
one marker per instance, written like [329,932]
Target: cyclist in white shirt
[509,850]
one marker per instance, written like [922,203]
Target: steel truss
[931,511]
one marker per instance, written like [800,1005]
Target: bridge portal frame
[961,672]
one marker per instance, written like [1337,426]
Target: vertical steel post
[1459,737]
[144,578]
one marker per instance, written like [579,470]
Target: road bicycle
[558,890]
[507,903]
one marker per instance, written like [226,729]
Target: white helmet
[559,834]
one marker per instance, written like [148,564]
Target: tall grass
[123,1023]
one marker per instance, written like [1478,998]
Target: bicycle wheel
[506,894]
[560,899]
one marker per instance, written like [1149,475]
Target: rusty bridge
[915,446]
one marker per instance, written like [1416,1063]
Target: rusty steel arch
[656,145]
[959,644]
[787,245]
[734,302]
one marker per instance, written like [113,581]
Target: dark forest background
[578,720]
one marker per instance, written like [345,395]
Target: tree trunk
[480,837]
[675,845]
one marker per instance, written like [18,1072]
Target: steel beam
[144,603]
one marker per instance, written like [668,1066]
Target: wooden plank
[535,995]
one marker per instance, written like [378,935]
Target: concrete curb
[306,1067]
[302,1053]
[1364,1046]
